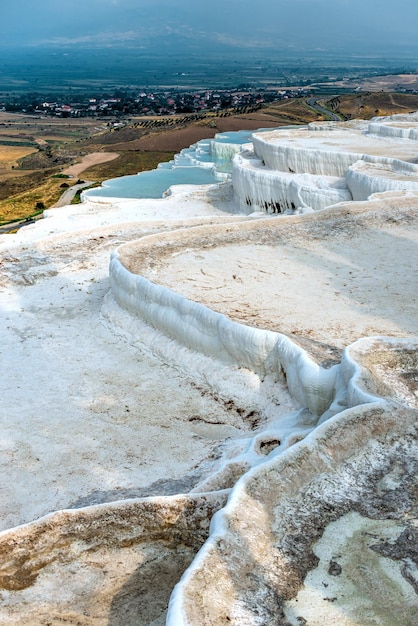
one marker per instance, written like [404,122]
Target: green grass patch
[20,144]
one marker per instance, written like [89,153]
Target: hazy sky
[318,23]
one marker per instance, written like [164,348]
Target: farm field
[10,156]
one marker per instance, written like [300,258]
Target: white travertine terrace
[404,130]
[327,152]
[260,188]
[352,480]
[365,179]
[312,168]
[214,335]
[306,512]
[224,151]
[217,588]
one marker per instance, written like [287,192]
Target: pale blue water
[153,184]
[239,137]
[193,166]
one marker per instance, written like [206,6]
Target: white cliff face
[259,188]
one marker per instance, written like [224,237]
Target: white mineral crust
[259,373]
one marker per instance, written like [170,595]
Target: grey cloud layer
[316,21]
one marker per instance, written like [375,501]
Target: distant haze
[353,25]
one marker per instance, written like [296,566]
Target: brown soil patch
[287,112]
[170,140]
[252,121]
[367,105]
[89,160]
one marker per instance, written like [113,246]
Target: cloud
[317,23]
[100,39]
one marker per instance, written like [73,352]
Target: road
[312,102]
[69,194]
